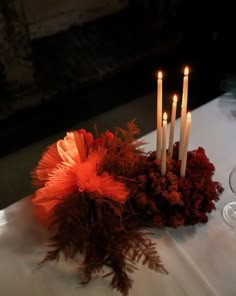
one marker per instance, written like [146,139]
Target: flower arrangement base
[101,195]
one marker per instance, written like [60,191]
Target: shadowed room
[66,64]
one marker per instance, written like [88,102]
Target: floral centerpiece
[97,193]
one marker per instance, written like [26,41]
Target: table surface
[200,259]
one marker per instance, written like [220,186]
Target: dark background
[93,68]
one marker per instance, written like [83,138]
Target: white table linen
[201,259]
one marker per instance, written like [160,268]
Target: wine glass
[229,209]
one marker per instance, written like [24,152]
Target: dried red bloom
[177,220]
[89,138]
[174,198]
[109,135]
[82,131]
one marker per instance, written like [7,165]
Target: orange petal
[106,186]
[47,163]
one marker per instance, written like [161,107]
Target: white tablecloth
[201,259]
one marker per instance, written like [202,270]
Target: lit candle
[185,146]
[159,114]
[183,110]
[172,125]
[163,150]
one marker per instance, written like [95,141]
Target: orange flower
[68,167]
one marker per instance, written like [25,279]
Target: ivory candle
[163,150]
[159,114]
[183,110]
[185,146]
[172,125]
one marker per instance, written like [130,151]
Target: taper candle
[172,125]
[183,110]
[159,114]
[163,149]
[185,146]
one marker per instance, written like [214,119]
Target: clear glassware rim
[233,171]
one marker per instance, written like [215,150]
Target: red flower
[109,135]
[68,167]
[174,198]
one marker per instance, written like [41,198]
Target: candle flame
[189,116]
[159,75]
[164,116]
[186,71]
[175,98]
